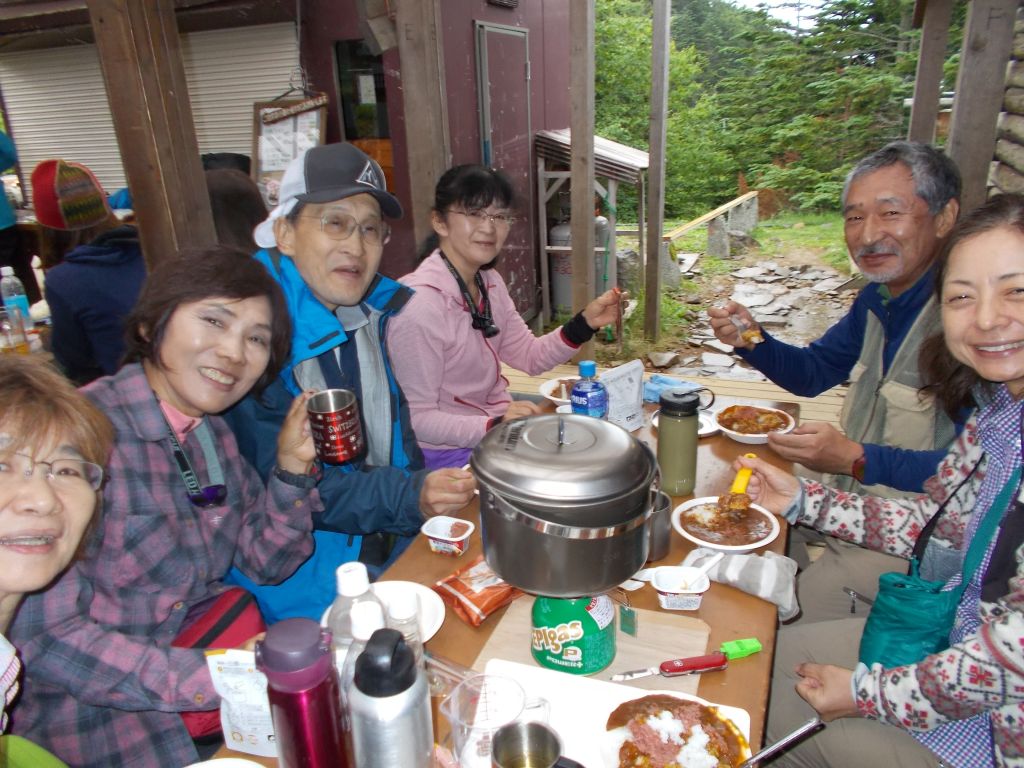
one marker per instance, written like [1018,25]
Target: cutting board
[661,636]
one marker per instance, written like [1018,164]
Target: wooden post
[988,38]
[656,175]
[428,149]
[928,82]
[140,54]
[581,122]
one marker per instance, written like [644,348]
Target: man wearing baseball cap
[323,244]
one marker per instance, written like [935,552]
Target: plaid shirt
[103,687]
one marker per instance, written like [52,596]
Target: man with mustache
[323,243]
[899,204]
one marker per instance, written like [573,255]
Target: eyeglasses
[210,496]
[480,217]
[340,226]
[62,474]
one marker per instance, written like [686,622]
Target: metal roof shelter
[614,163]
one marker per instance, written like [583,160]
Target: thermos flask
[390,706]
[677,442]
[302,686]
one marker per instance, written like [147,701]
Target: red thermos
[302,686]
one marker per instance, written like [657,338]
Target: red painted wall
[326,21]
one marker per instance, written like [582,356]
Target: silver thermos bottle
[390,706]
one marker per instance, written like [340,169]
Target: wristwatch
[299,481]
[857,470]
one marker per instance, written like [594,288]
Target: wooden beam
[656,171]
[428,148]
[988,38]
[682,229]
[581,123]
[140,55]
[928,82]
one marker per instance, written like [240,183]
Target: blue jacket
[89,294]
[809,371]
[8,157]
[357,499]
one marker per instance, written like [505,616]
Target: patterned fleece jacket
[983,673]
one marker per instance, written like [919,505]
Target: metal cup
[660,527]
[518,744]
[334,423]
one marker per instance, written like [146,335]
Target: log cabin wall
[1007,172]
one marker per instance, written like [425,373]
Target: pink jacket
[451,374]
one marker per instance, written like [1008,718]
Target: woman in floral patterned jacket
[963,706]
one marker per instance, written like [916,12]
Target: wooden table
[730,613]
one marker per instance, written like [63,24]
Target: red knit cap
[67,196]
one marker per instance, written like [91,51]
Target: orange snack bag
[474,591]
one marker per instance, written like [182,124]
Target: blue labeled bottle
[589,396]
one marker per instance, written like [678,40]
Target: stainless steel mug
[334,423]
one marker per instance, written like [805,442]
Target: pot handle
[514,514]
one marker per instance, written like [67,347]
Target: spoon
[737,499]
[710,563]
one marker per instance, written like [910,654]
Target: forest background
[756,102]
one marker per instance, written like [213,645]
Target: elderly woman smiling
[53,443]
[107,683]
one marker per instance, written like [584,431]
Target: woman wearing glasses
[448,343]
[53,443]
[106,682]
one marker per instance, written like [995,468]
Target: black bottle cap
[387,666]
[675,403]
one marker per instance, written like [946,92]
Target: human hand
[827,688]
[446,491]
[771,487]
[818,446]
[295,449]
[519,408]
[725,329]
[603,310]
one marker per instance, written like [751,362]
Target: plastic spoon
[710,563]
[737,499]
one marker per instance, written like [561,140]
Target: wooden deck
[825,407]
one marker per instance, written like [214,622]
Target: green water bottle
[575,635]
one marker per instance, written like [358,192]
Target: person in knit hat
[92,290]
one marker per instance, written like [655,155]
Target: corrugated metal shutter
[57,105]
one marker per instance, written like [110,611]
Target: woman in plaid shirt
[53,443]
[105,686]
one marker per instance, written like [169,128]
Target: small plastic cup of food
[448,535]
[680,587]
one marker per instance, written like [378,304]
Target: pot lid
[561,459]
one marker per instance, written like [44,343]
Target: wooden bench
[825,407]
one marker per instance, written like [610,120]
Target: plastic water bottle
[589,396]
[367,618]
[14,296]
[353,588]
[404,616]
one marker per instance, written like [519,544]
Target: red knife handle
[693,664]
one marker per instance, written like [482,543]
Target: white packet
[244,706]
[625,385]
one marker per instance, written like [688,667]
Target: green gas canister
[575,635]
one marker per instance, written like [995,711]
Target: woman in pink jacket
[448,343]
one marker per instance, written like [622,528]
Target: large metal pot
[564,503]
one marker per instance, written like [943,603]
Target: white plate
[677,515]
[548,390]
[226,762]
[580,707]
[740,437]
[431,604]
[706,425]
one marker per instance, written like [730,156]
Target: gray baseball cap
[325,173]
